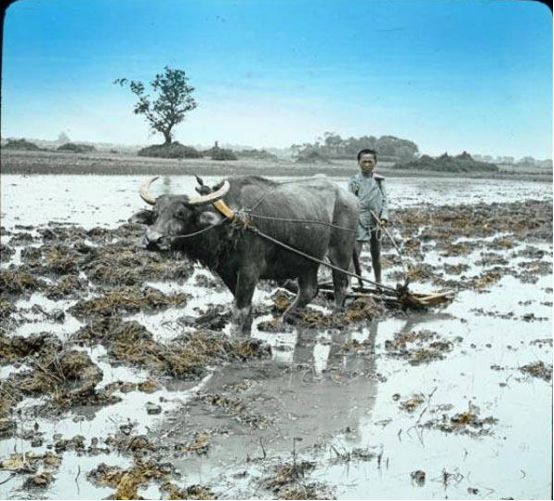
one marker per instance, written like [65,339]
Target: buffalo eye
[181,214]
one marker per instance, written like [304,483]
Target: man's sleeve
[385,209]
[353,185]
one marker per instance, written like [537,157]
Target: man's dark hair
[367,151]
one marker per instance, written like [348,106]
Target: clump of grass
[18,347]
[401,340]
[185,357]
[464,419]
[53,371]
[17,281]
[418,346]
[281,301]
[288,482]
[199,445]
[66,377]
[7,308]
[421,272]
[538,369]
[61,259]
[127,482]
[486,279]
[191,492]
[363,308]
[467,422]
[127,300]
[456,250]
[412,403]
[68,285]
[287,473]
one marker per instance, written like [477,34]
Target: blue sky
[450,75]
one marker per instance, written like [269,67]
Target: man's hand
[383,223]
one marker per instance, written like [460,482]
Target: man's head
[367,159]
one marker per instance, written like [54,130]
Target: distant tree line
[333,146]
[527,161]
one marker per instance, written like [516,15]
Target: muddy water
[336,399]
[110,200]
[324,404]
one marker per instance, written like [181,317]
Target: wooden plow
[400,297]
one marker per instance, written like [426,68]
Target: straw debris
[127,299]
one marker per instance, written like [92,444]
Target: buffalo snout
[156,241]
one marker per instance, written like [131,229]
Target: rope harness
[196,233]
[243,218]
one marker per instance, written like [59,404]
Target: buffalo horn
[143,190]
[210,197]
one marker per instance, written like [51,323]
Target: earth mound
[446,163]
[257,155]
[20,144]
[312,157]
[217,153]
[173,150]
[223,154]
[76,148]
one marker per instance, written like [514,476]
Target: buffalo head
[173,216]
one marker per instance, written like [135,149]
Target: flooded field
[119,377]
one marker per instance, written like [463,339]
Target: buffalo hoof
[337,310]
[240,330]
[242,321]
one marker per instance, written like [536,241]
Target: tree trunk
[167,137]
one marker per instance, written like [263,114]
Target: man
[370,190]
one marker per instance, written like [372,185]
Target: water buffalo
[242,257]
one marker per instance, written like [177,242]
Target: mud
[118,362]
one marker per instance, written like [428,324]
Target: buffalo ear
[203,190]
[143,217]
[209,218]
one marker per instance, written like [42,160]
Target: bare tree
[172,100]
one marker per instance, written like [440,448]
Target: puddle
[36,320]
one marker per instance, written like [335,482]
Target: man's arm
[385,210]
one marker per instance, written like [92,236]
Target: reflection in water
[338,350]
[334,382]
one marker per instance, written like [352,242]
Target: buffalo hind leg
[307,290]
[341,281]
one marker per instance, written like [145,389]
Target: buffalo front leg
[242,309]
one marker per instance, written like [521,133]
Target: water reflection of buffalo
[306,215]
